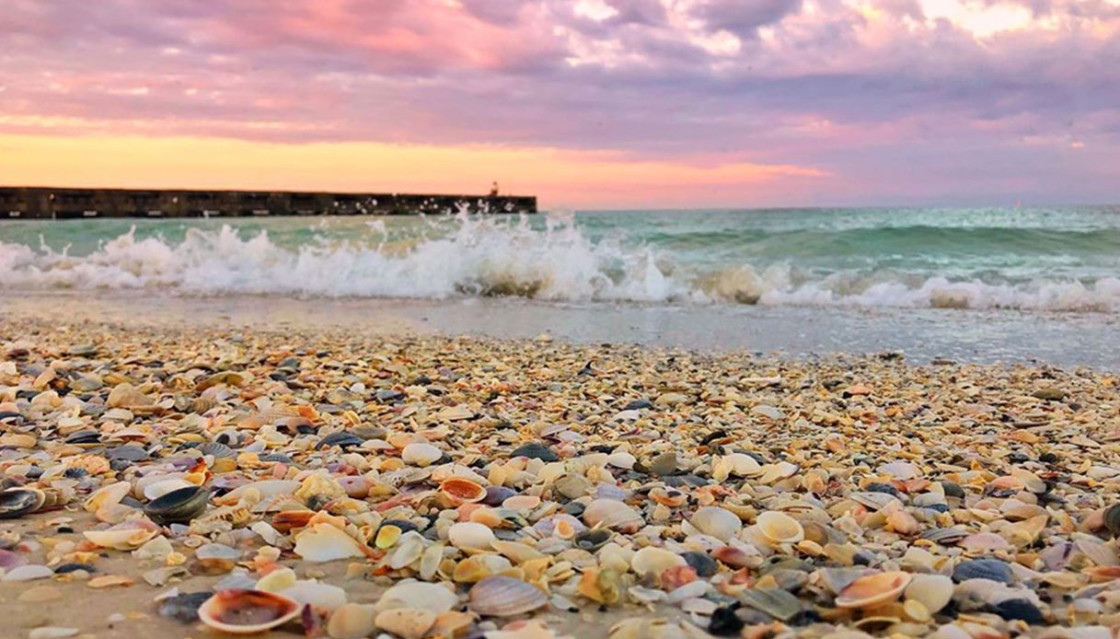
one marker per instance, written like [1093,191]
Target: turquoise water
[1057,259]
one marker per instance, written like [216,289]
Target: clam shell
[1112,519]
[460,490]
[420,454]
[417,594]
[324,542]
[652,561]
[351,621]
[871,590]
[178,506]
[945,536]
[933,591]
[717,522]
[127,535]
[479,567]
[613,514]
[505,597]
[17,502]
[317,595]
[243,612]
[592,540]
[780,528]
[471,536]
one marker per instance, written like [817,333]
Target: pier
[47,203]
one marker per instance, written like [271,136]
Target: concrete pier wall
[48,203]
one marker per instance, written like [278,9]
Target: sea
[982,284]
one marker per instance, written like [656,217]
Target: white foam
[483,257]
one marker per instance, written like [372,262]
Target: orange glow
[560,178]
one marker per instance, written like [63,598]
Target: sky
[585,103]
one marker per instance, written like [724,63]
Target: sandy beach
[611,484]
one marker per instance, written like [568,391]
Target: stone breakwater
[172,482]
[50,203]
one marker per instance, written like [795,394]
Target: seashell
[417,594]
[874,589]
[107,496]
[505,597]
[775,602]
[979,543]
[352,621]
[780,528]
[407,623]
[28,572]
[668,496]
[733,557]
[613,514]
[178,506]
[127,535]
[1100,554]
[1112,519]
[319,596]
[592,540]
[243,612]
[900,470]
[652,561]
[278,580]
[460,490]
[158,489]
[622,460]
[736,464]
[874,500]
[286,520]
[991,569]
[644,628]
[479,567]
[1024,533]
[716,522]
[933,591]
[218,450]
[17,502]
[324,542]
[407,552]
[419,454]
[470,536]
[429,562]
[945,536]
[517,552]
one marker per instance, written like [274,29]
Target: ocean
[821,273]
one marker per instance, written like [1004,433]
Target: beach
[542,486]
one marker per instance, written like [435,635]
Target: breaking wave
[482,257]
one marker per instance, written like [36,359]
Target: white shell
[420,454]
[317,595]
[434,598]
[324,542]
[470,535]
[717,522]
[653,561]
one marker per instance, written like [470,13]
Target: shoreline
[791,332]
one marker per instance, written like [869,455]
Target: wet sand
[883,467]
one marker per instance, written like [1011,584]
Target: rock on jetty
[68,203]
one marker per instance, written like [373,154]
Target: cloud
[848,87]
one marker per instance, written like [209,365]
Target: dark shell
[341,438]
[725,623]
[276,457]
[535,450]
[592,540]
[71,567]
[184,608]
[879,487]
[495,495]
[178,506]
[388,395]
[83,437]
[952,490]
[17,502]
[127,453]
[1020,609]
[992,569]
[1112,519]
[218,450]
[638,404]
[704,565]
[945,536]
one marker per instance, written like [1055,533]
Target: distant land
[61,203]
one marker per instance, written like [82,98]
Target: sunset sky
[586,103]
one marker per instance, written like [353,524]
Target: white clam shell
[470,535]
[324,542]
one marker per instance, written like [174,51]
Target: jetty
[49,203]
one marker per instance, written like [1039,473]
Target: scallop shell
[716,522]
[470,535]
[871,590]
[505,597]
[613,514]
[460,490]
[242,612]
[324,542]
[780,528]
[992,569]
